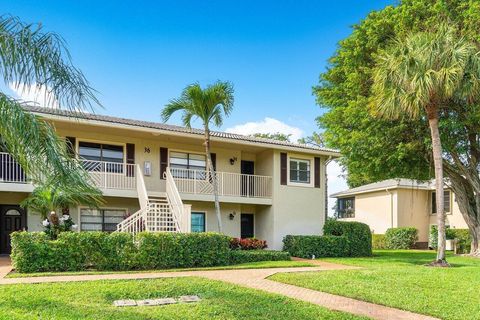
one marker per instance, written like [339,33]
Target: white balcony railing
[10,169]
[229,184]
[111,175]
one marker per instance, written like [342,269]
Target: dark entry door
[247,167]
[247,228]
[12,218]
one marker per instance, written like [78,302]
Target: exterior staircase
[160,213]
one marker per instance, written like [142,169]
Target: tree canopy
[377,149]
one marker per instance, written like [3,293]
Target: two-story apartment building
[397,203]
[154,177]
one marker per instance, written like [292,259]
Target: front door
[247,168]
[12,218]
[247,229]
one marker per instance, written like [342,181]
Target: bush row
[74,251]
[401,238]
[247,244]
[340,239]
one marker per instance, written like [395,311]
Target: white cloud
[37,94]
[267,125]
[336,182]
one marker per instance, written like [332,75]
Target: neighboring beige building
[154,177]
[397,203]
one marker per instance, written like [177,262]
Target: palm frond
[424,69]
[31,57]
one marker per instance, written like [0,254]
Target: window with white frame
[446,202]
[101,219]
[101,157]
[300,170]
[182,165]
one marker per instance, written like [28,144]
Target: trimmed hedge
[318,246]
[359,236]
[244,256]
[379,242]
[182,250]
[72,251]
[401,238]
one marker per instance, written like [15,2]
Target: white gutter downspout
[329,159]
[391,206]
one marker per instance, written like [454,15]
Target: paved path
[251,278]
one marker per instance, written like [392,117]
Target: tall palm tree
[31,59]
[416,77]
[209,105]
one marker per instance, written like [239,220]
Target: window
[97,153]
[198,221]
[181,163]
[299,171]
[346,208]
[100,220]
[446,202]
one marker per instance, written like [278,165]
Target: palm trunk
[438,163]
[214,179]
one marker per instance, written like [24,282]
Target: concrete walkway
[250,278]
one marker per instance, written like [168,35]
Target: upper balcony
[114,179]
[232,187]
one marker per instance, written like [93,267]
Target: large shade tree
[210,105]
[381,148]
[32,59]
[417,76]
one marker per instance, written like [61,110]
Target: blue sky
[140,54]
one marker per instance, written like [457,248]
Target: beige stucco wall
[297,210]
[376,209]
[414,211]
[411,208]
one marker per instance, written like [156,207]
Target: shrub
[359,236]
[247,244]
[379,242]
[401,238]
[463,237]
[177,250]
[72,251]
[244,256]
[318,246]
[35,252]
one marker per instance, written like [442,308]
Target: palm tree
[30,59]
[209,105]
[416,77]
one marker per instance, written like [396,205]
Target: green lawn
[400,279]
[249,265]
[93,300]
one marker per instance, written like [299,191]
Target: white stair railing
[180,212]
[134,223]
[137,222]
[141,188]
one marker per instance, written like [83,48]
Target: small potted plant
[450,243]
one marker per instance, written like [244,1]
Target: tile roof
[386,184]
[171,128]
